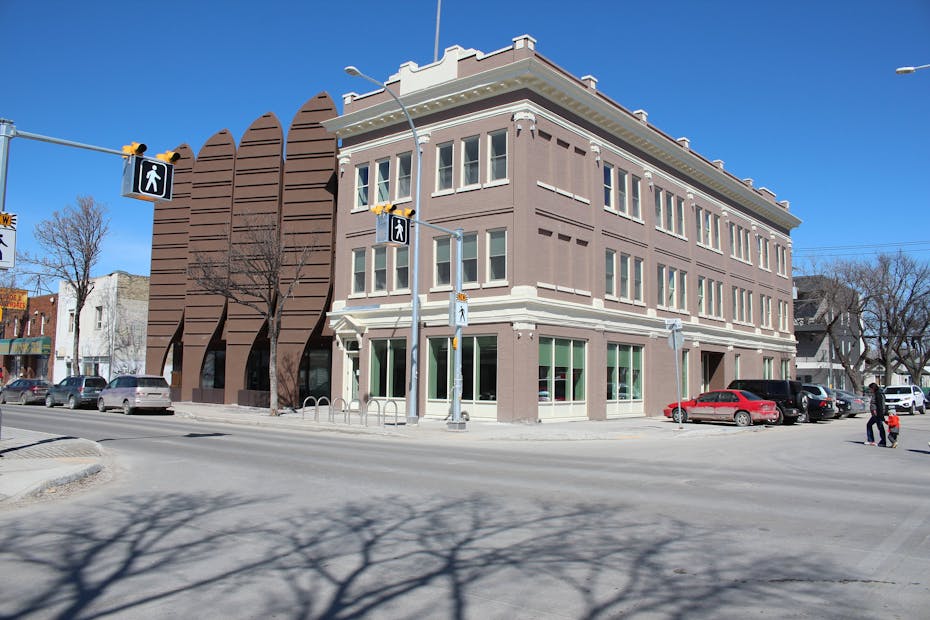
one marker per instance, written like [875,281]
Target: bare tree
[261,272]
[890,298]
[72,241]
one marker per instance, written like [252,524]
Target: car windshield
[152,382]
[750,395]
[902,389]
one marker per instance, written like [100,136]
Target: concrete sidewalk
[31,463]
[437,430]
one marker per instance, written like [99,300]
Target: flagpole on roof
[436,46]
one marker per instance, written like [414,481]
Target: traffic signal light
[408,212]
[461,296]
[133,148]
[382,209]
[169,157]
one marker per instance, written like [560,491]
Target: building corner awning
[40,345]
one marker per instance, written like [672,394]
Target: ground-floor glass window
[479,368]
[388,370]
[624,372]
[561,369]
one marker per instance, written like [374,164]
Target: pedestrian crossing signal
[147,178]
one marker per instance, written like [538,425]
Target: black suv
[789,396]
[76,391]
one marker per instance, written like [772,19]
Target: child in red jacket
[894,429]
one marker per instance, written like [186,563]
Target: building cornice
[539,76]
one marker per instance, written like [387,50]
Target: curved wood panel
[256,203]
[308,212]
[168,280]
[210,214]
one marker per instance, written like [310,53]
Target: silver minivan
[134,392]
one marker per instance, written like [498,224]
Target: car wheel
[678,415]
[72,402]
[127,409]
[49,401]
[100,405]
[23,400]
[803,417]
[923,409]
[742,418]
[781,417]
[911,409]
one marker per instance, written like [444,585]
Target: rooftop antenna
[436,46]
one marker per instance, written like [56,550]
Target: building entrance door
[712,376]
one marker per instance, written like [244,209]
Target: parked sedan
[739,406]
[850,404]
[24,391]
[820,405]
[134,392]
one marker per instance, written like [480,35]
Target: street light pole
[413,385]
[903,70]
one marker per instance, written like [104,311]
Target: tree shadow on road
[392,557]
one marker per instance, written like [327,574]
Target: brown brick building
[28,339]
[586,227]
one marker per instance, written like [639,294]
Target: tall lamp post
[903,70]
[413,385]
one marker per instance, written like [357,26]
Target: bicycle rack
[316,407]
[378,407]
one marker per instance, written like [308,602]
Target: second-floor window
[609,268]
[470,258]
[98,317]
[379,269]
[497,255]
[401,268]
[358,271]
[443,262]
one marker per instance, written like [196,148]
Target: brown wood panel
[210,214]
[256,201]
[168,279]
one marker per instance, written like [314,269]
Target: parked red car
[739,406]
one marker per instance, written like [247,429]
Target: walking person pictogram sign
[147,179]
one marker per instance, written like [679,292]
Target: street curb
[41,487]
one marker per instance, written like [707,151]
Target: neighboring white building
[113,327]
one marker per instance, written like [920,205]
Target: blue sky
[799,95]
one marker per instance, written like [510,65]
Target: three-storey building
[585,228]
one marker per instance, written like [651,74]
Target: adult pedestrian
[877,409]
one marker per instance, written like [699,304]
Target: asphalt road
[223,521]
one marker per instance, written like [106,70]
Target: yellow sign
[7,220]
[13,298]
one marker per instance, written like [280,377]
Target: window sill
[443,192]
[468,188]
[404,200]
[442,288]
[378,294]
[497,183]
[495,284]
